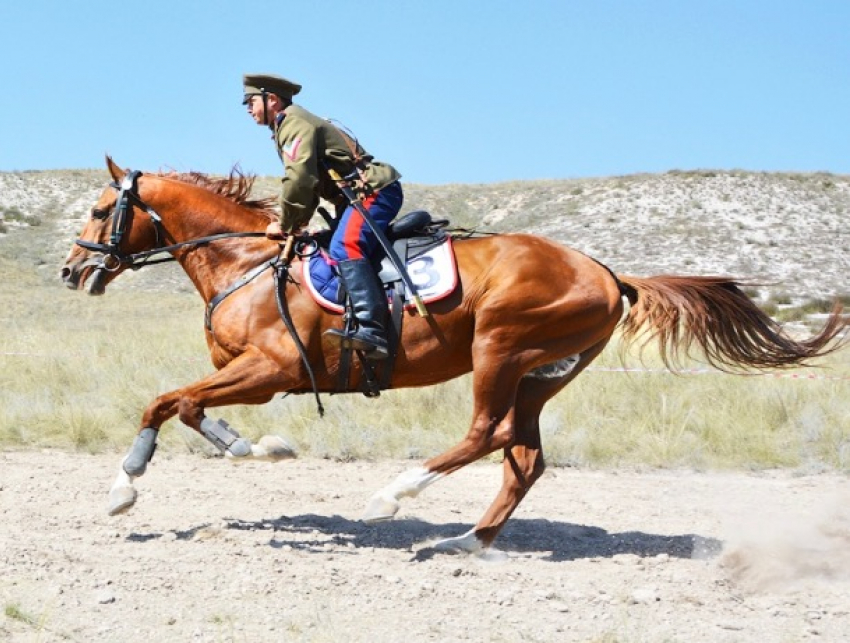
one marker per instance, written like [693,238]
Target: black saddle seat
[417,223]
[409,224]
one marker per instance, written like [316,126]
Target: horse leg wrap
[141,452]
[224,438]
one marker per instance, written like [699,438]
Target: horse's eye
[99,214]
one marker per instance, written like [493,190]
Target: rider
[308,146]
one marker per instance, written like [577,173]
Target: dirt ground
[274,552]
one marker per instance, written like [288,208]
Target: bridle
[112,257]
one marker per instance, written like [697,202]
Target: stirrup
[371,350]
[374,352]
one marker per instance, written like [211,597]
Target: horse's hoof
[121,499]
[380,509]
[277,448]
[270,448]
[469,543]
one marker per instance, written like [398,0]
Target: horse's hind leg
[495,386]
[523,464]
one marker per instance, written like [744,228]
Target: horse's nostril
[69,277]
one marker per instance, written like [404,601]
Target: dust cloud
[771,552]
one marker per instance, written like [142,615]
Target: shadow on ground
[554,541]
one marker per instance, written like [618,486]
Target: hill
[782,229]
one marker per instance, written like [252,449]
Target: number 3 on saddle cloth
[419,241]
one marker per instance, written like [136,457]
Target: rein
[282,274]
[139,259]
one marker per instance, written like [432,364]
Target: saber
[382,239]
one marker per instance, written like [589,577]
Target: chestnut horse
[527,317]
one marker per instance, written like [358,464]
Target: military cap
[270,84]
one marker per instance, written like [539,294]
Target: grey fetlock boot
[370,310]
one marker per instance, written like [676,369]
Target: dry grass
[77,372]
[703,420]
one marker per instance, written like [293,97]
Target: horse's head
[124,229]
[119,225]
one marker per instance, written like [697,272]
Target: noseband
[113,257]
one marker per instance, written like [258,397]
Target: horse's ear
[116,172]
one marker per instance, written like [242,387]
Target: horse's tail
[713,314]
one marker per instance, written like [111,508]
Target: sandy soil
[274,552]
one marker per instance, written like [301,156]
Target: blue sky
[447,91]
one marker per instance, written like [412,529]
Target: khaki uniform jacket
[307,145]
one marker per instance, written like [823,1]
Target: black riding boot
[370,310]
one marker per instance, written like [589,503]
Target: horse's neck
[215,265]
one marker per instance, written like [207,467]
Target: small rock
[506,598]
[105,596]
[734,627]
[644,596]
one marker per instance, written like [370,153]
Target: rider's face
[256,109]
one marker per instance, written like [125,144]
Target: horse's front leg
[251,378]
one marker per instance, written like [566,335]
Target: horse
[527,316]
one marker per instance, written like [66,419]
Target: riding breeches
[353,238]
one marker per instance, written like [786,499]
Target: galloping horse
[527,317]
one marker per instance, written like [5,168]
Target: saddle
[424,246]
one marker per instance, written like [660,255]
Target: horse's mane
[236,186]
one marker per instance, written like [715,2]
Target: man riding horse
[311,148]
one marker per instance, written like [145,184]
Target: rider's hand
[273,231]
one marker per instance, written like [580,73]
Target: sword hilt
[286,253]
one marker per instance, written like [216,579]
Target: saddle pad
[434,273]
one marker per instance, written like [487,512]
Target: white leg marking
[385,503]
[122,494]
[469,543]
[270,448]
